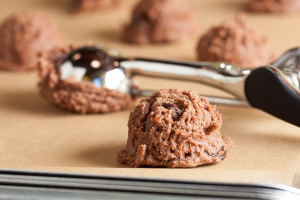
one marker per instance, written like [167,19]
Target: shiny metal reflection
[105,68]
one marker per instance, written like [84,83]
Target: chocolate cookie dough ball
[160,21]
[74,95]
[23,36]
[81,6]
[274,6]
[234,41]
[174,129]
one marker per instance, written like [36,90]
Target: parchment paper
[36,135]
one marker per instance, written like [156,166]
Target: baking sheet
[38,136]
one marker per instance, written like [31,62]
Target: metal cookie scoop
[273,88]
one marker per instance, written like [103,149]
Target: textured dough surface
[81,6]
[23,36]
[274,6]
[174,129]
[234,41]
[160,21]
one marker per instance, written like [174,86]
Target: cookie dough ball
[160,21]
[234,41]
[23,36]
[81,6]
[174,129]
[83,96]
[274,6]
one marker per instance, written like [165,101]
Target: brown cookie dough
[160,21]
[273,6]
[23,36]
[234,41]
[82,97]
[174,129]
[81,6]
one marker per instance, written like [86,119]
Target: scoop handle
[267,89]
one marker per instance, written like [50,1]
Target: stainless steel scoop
[273,88]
